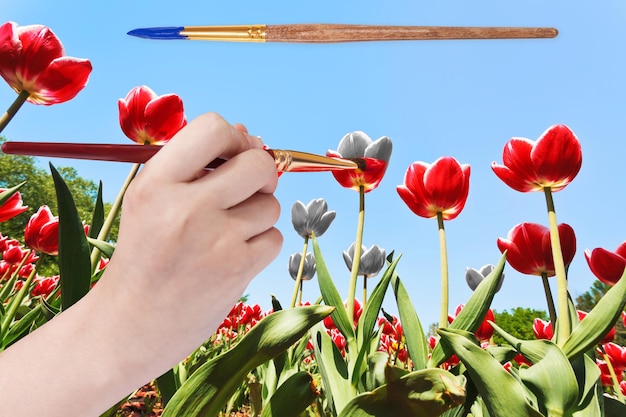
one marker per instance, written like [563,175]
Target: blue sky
[432,98]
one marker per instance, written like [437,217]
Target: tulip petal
[379,149]
[557,157]
[40,47]
[607,266]
[414,203]
[353,145]
[63,79]
[10,49]
[164,116]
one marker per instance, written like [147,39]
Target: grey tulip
[358,145]
[475,277]
[312,218]
[372,260]
[309,266]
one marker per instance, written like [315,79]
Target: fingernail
[255,141]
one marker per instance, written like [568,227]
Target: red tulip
[552,161]
[484,331]
[607,266]
[440,187]
[44,286]
[42,232]
[617,355]
[150,119]
[14,254]
[542,329]
[12,207]
[529,250]
[32,59]
[376,154]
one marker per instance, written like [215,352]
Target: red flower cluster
[391,340]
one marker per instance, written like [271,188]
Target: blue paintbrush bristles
[172,32]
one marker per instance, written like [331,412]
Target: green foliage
[518,323]
[589,299]
[39,190]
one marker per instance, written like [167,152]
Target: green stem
[614,378]
[356,259]
[549,298]
[443,255]
[115,208]
[559,270]
[364,289]
[296,287]
[19,297]
[13,108]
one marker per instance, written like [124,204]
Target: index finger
[204,139]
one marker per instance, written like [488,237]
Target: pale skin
[189,244]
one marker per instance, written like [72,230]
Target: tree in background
[518,323]
[589,299]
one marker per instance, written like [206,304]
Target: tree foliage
[518,323]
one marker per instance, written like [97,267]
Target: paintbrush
[329,33]
[286,161]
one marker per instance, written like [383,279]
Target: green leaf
[598,322]
[105,247]
[97,219]
[331,295]
[613,408]
[368,320]
[292,397]
[424,393]
[473,314]
[167,385]
[332,368]
[206,392]
[22,326]
[416,338]
[503,395]
[4,196]
[589,387]
[74,254]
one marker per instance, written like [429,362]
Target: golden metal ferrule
[238,33]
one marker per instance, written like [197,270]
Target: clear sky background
[432,98]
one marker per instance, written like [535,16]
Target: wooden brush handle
[328,33]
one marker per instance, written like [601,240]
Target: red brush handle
[90,151]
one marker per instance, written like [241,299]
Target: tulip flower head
[42,232]
[607,266]
[314,218]
[375,153]
[440,187]
[308,272]
[484,331]
[552,161]
[608,336]
[372,260]
[150,119]
[32,59]
[475,276]
[542,329]
[529,250]
[12,207]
